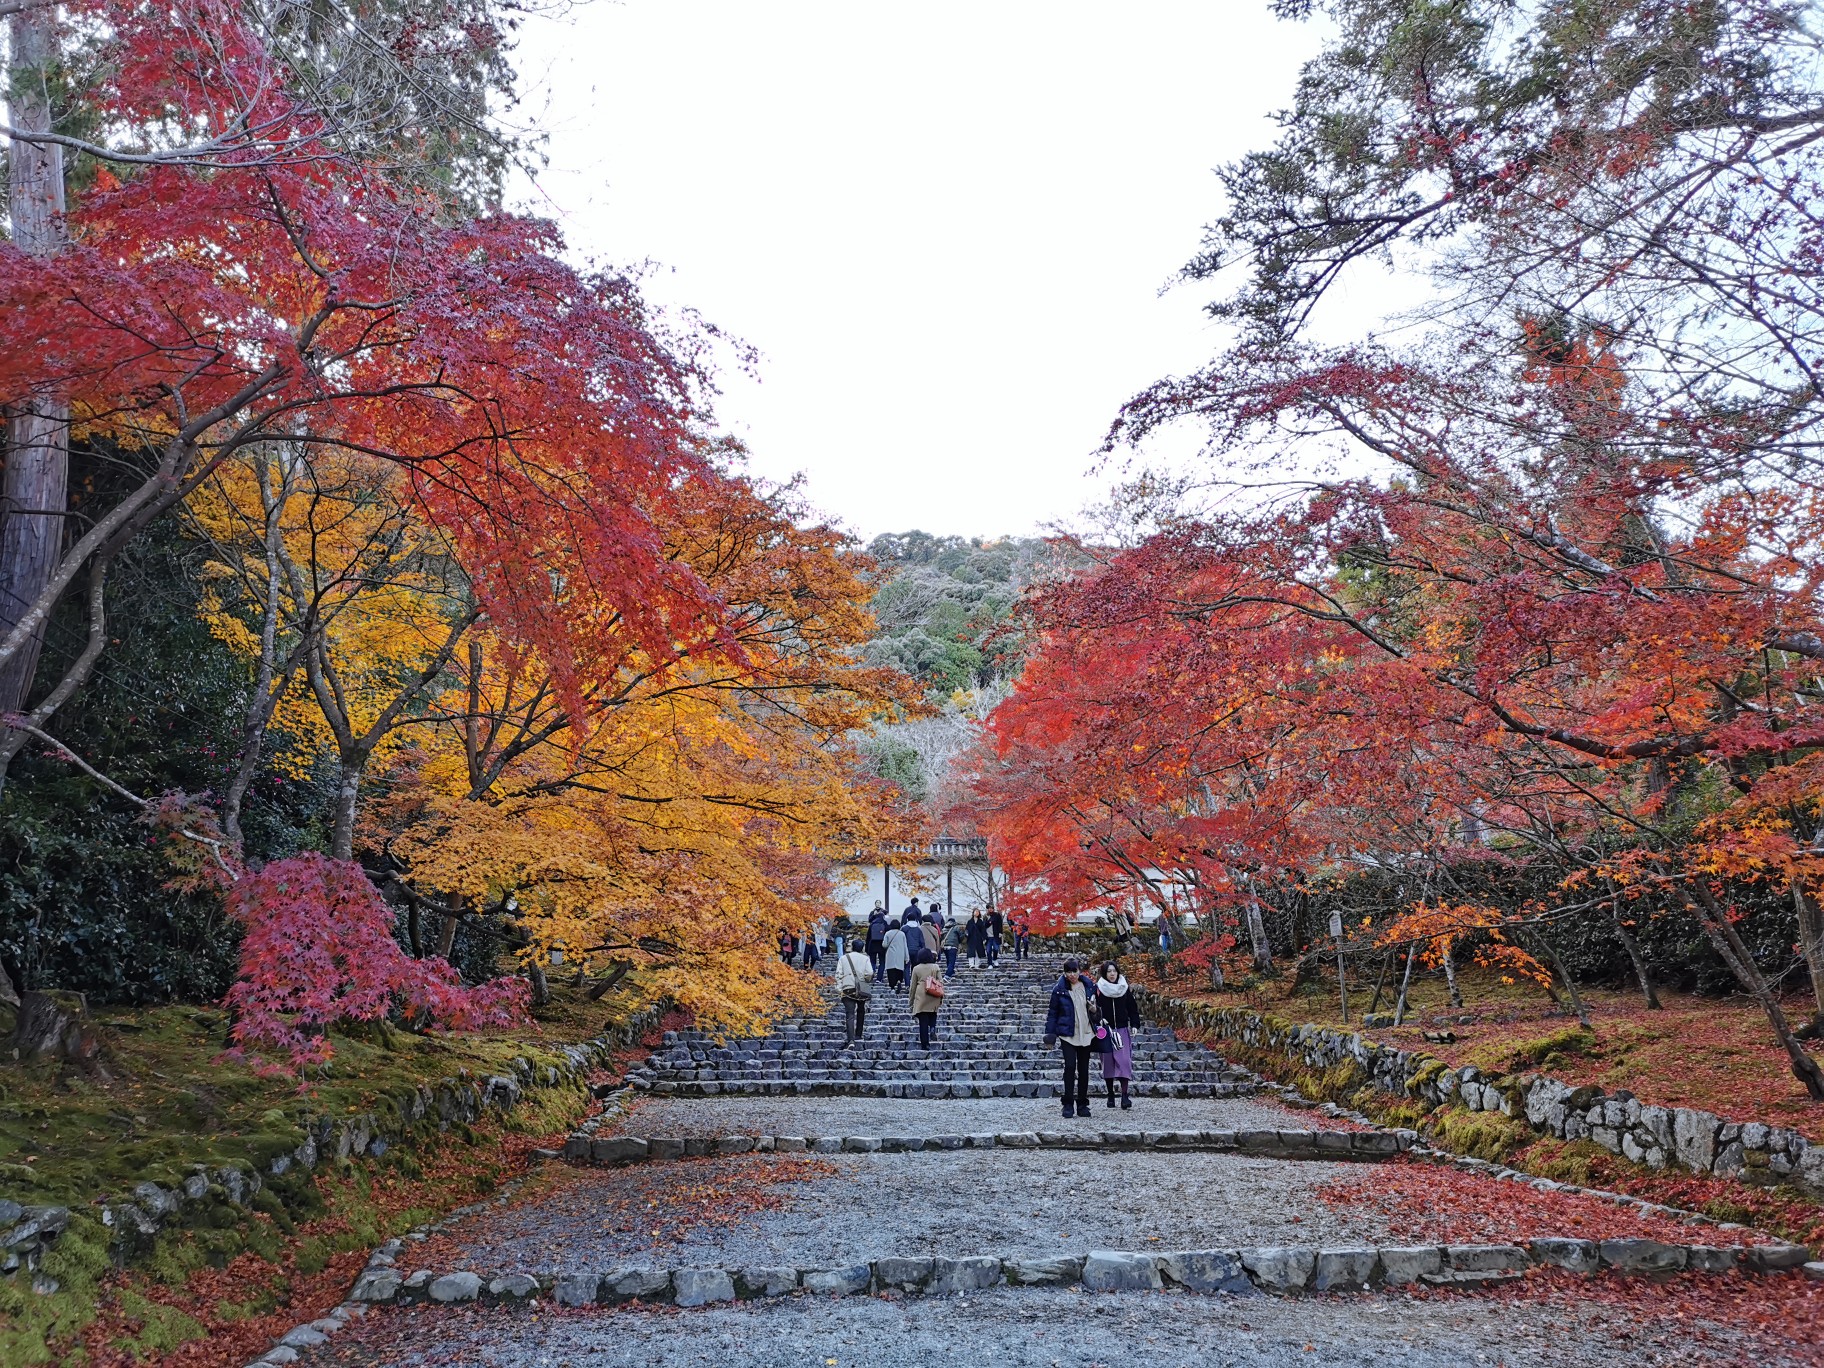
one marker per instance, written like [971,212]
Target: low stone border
[785,1087]
[583,1147]
[1280,1270]
[1658,1137]
[26,1232]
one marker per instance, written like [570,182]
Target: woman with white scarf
[1116,1034]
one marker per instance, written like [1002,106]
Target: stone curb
[1372,1146]
[1278,1270]
[917,1090]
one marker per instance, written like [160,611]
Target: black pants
[1076,1074]
[896,979]
[854,1017]
[877,956]
[926,1020]
[1019,947]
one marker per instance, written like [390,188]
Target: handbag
[934,987]
[1105,1040]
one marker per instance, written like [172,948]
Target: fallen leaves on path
[1430,1203]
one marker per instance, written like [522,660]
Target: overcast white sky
[944,226]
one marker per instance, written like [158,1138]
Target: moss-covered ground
[167,1102]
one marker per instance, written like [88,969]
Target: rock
[838,1282]
[196,1186]
[701,1286]
[1400,1265]
[903,1274]
[1730,1160]
[1043,1272]
[303,1338]
[376,1285]
[1775,1258]
[456,1287]
[10,1211]
[636,1282]
[1279,1269]
[947,1142]
[1028,1140]
[1347,1269]
[620,1149]
[963,1275]
[280,1354]
[1711,1259]
[1814,1271]
[861,1144]
[1642,1256]
[1114,1270]
[513,1287]
[827,1144]
[155,1200]
[789,1144]
[577,1289]
[1205,1270]
[1484,1258]
[1576,1256]
[665,1147]
[733,1144]
[1694,1138]
[766,1282]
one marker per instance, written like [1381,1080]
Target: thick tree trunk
[541,990]
[348,793]
[34,494]
[1257,934]
[44,1030]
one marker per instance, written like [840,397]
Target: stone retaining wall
[135,1218]
[1658,1137]
[583,1147]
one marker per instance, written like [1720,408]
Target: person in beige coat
[926,999]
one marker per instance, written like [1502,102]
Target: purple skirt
[1119,1062]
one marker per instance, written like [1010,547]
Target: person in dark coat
[877,941]
[1070,1023]
[975,936]
[995,924]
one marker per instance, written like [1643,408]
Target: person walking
[975,936]
[1070,1023]
[936,915]
[855,982]
[1115,1036]
[788,946]
[927,995]
[1022,935]
[877,941]
[914,913]
[895,954]
[953,942]
[995,923]
[811,953]
[932,935]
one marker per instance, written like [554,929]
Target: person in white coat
[855,981]
[896,954]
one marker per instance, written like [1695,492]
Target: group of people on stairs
[1086,1017]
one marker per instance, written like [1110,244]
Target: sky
[945,228]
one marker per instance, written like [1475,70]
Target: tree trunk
[541,991]
[1399,1006]
[1450,974]
[44,1030]
[1811,932]
[1564,975]
[34,493]
[1257,933]
[1723,935]
[446,935]
[348,791]
[1635,956]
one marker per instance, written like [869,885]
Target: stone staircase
[989,1043]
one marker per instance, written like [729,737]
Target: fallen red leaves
[1428,1202]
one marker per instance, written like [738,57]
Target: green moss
[30,1322]
[1482,1135]
[1551,1050]
[162,1328]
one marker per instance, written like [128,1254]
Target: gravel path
[938,1116]
[854,1207]
[1037,1328]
